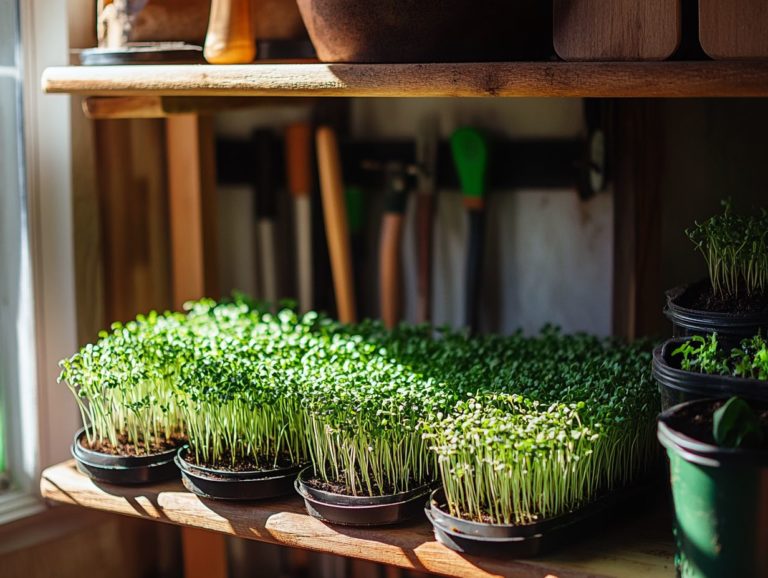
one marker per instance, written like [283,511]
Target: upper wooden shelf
[507,79]
[639,548]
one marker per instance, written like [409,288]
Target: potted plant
[124,388]
[733,301]
[243,414]
[718,461]
[428,30]
[701,367]
[370,463]
[567,431]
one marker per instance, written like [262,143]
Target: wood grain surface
[734,29]
[581,79]
[616,29]
[639,548]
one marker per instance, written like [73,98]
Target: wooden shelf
[564,79]
[641,548]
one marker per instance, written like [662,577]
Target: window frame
[37,405]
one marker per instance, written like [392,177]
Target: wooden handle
[389,268]
[474,267]
[336,227]
[230,39]
[298,158]
[424,210]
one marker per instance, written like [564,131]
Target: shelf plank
[641,549]
[518,79]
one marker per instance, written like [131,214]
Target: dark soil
[240,465]
[125,448]
[484,518]
[700,297]
[696,422]
[340,488]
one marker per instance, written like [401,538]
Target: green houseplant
[701,367]
[718,457]
[554,435]
[364,410]
[124,387]
[733,300]
[243,415]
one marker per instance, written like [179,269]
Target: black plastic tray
[530,540]
[123,470]
[360,510]
[223,485]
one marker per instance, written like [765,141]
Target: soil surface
[126,448]
[338,487]
[696,422]
[226,464]
[700,297]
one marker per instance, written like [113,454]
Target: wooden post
[638,153]
[191,186]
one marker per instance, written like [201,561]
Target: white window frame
[38,406]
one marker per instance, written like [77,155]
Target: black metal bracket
[539,164]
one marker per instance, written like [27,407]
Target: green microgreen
[706,355]
[735,248]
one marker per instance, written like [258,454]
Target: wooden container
[187,21]
[428,30]
[616,29]
[734,29]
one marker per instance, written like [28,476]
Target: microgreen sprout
[124,383]
[735,248]
[571,419]
[706,355]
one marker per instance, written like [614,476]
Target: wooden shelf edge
[508,79]
[641,550]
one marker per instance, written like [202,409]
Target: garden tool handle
[424,213]
[390,277]
[336,226]
[476,217]
[298,155]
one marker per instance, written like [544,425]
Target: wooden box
[734,29]
[616,29]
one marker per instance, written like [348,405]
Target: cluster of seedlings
[735,248]
[706,355]
[516,428]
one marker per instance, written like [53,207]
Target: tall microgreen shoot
[124,383]
[735,248]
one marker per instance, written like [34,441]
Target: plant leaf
[736,425]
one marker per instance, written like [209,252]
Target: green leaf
[736,425]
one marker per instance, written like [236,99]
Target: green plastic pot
[721,500]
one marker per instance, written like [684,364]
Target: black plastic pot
[124,470]
[529,540]
[360,510]
[731,328]
[720,497]
[225,485]
[678,386]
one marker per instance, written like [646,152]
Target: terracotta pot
[428,30]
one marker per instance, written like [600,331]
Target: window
[37,321]
[16,347]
